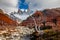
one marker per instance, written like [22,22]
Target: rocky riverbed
[20,33]
[23,33]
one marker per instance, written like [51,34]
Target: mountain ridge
[46,15]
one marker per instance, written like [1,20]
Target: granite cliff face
[51,17]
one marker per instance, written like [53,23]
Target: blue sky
[22,4]
[22,1]
[13,5]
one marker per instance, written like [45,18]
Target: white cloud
[8,5]
[43,4]
[11,5]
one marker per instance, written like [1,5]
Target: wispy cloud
[43,4]
[12,5]
[8,5]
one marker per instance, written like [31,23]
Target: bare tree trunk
[36,29]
